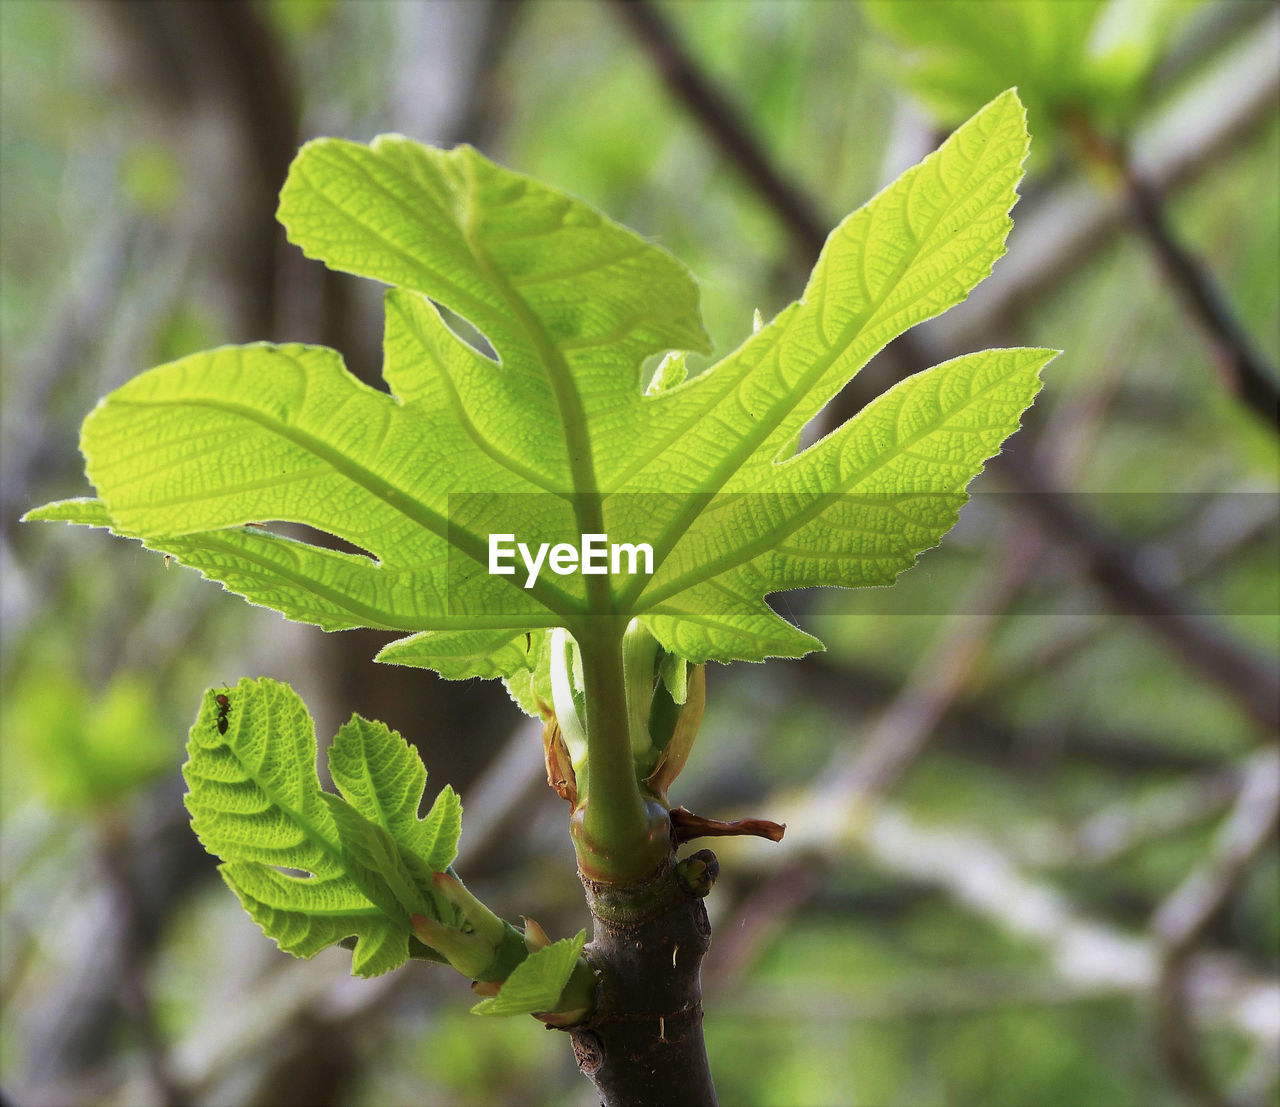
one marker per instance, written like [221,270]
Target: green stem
[619,836]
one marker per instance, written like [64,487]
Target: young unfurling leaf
[367,860]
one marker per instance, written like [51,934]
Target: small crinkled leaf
[382,777]
[440,830]
[674,671]
[530,685]
[671,371]
[253,792]
[256,803]
[555,437]
[536,983]
[392,878]
[307,914]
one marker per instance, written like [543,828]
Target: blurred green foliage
[1070,56]
[79,749]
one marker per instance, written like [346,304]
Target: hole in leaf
[314,536]
[464,330]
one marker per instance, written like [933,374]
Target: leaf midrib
[309,829]
[563,387]
[587,508]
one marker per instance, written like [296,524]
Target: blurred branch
[722,123]
[148,868]
[1118,829]
[1182,920]
[939,677]
[1087,955]
[1206,544]
[1246,373]
[896,741]
[481,108]
[136,937]
[1084,951]
[976,726]
[1246,679]
[1073,226]
[1053,237]
[219,62]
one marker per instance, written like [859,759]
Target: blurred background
[1031,790]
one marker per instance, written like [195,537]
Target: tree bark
[643,1045]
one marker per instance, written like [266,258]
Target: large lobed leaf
[553,436]
[365,860]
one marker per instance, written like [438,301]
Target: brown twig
[686,826]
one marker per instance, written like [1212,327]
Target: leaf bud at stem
[566,697]
[470,954]
[698,871]
[535,938]
[676,752]
[485,923]
[639,660]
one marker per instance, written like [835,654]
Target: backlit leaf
[517,328]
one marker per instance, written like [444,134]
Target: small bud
[698,871]
[535,938]
[470,954]
[676,751]
[558,1020]
[486,988]
[560,774]
[483,921]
